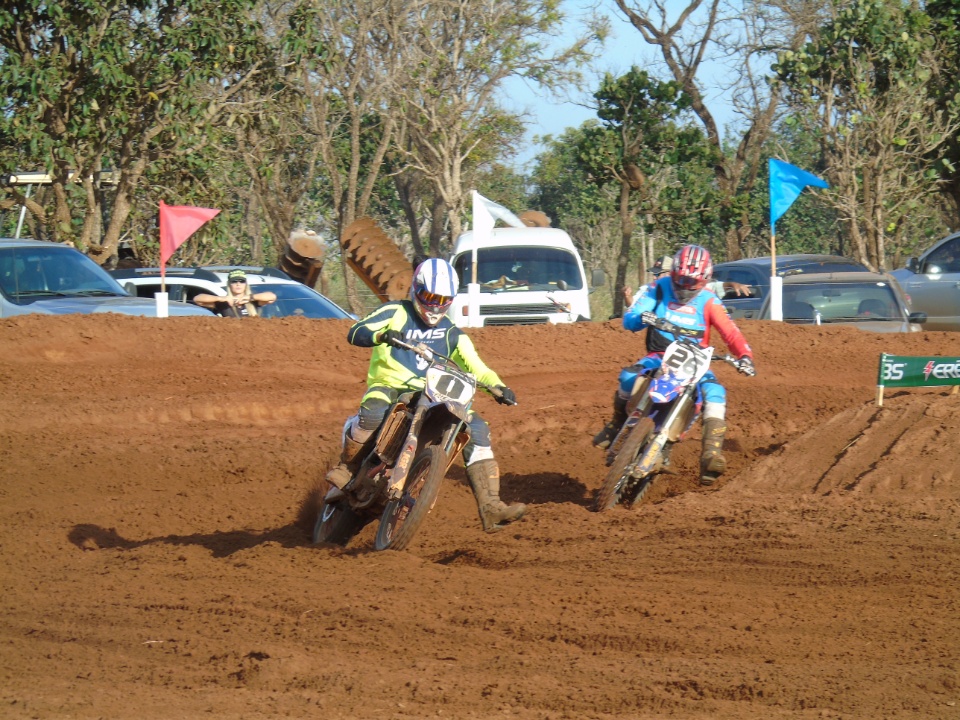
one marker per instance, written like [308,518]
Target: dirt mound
[903,451]
[155,565]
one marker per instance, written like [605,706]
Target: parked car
[294,299]
[755,272]
[867,300]
[932,284]
[52,279]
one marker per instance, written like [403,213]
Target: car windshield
[822,266]
[520,268]
[841,302]
[295,300]
[32,273]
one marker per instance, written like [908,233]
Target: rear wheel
[336,524]
[402,518]
[615,485]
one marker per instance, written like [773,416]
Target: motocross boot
[603,438]
[484,478]
[712,462]
[350,458]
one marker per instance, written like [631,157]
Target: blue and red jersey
[702,313]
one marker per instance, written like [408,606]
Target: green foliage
[98,85]
[865,85]
[892,38]
[945,17]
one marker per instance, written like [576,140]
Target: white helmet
[434,284]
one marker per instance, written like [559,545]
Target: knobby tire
[336,524]
[611,493]
[402,518]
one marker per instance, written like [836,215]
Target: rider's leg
[712,462]
[359,429]
[483,472]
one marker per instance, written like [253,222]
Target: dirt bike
[399,478]
[660,411]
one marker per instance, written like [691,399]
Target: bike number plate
[445,386]
[685,360]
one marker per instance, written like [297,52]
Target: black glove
[506,396]
[648,318]
[745,365]
[390,337]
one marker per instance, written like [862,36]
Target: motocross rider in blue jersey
[683,299]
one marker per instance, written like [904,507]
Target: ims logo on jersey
[416,335]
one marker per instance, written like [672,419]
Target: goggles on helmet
[686,282]
[432,300]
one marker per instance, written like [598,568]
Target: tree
[865,88]
[102,86]
[945,16]
[565,189]
[349,96]
[637,147]
[267,129]
[685,43]
[463,51]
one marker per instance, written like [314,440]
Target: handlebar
[693,336]
[429,355]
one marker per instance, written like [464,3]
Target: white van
[526,276]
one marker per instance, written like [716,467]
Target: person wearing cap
[240,300]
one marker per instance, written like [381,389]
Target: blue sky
[625,47]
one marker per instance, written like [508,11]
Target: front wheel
[336,524]
[402,518]
[615,485]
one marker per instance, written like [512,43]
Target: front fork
[670,429]
[398,474]
[637,406]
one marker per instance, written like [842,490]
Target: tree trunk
[626,235]
[438,215]
[403,184]
[129,179]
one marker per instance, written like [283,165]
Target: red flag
[177,223]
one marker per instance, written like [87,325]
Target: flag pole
[773,250]
[776,282]
[177,223]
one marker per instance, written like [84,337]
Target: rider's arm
[645,301]
[717,317]
[366,331]
[466,356]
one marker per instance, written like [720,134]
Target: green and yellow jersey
[401,368]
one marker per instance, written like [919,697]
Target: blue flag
[786,184]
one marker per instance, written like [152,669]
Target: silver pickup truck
[932,283]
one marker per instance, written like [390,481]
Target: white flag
[487,212]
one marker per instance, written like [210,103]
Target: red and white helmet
[692,270]
[434,284]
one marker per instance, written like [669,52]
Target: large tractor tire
[376,259]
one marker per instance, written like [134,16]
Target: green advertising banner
[905,371]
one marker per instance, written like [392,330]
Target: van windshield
[518,268]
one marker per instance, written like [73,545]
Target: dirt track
[153,566]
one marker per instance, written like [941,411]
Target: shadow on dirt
[534,489]
[221,544]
